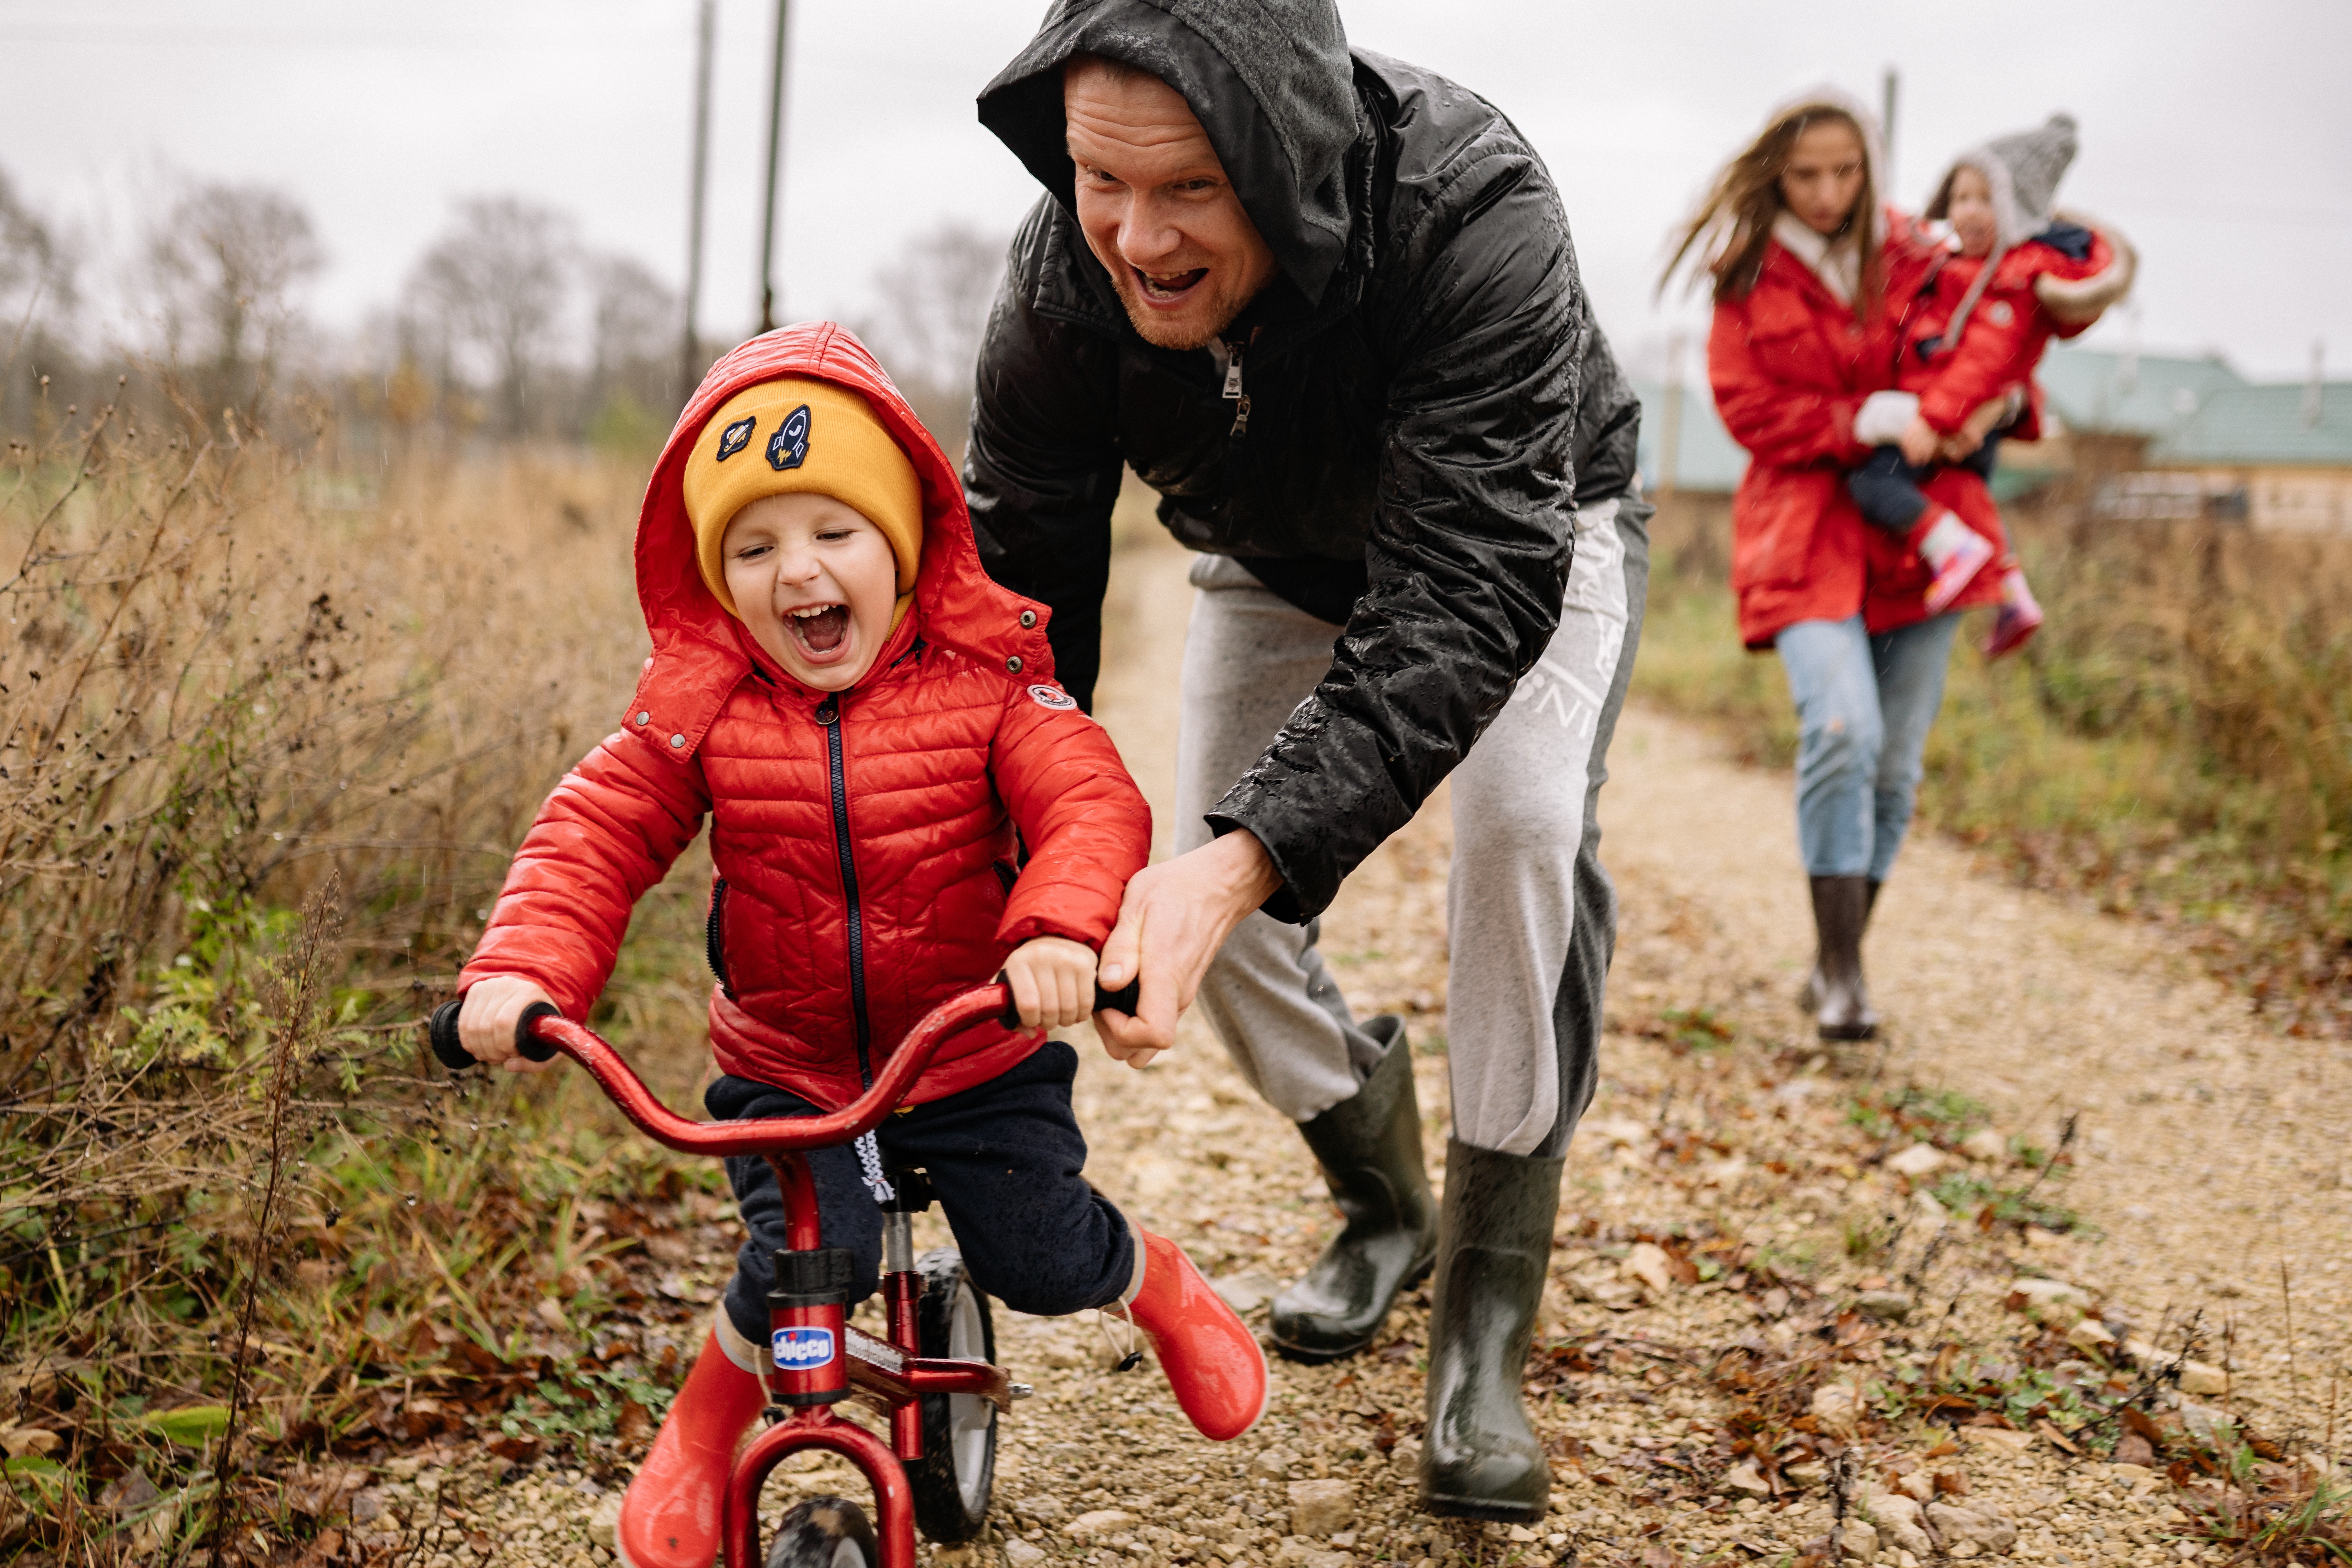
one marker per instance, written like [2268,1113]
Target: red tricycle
[934,1378]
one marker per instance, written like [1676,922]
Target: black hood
[1270,80]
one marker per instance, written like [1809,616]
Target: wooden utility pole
[690,359]
[775,157]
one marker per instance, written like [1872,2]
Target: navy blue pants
[1004,1159]
[1887,491]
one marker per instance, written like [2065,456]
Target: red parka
[864,842]
[1791,364]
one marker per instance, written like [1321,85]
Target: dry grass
[234,686]
[2176,743]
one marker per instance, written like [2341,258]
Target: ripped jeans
[1865,705]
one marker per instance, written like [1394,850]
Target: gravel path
[1726,1210]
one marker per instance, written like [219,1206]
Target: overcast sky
[2218,137]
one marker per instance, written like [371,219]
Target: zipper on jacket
[714,939]
[1235,393]
[828,713]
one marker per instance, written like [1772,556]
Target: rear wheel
[825,1532]
[952,1481]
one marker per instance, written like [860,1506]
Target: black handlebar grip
[458,1058]
[1122,1000]
[532,1048]
[446,1042]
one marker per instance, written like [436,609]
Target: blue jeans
[1865,705]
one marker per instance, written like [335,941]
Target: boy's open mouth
[820,628]
[1167,288]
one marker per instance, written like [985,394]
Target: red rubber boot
[1955,551]
[670,1516]
[1209,1356]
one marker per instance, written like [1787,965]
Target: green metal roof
[2151,394]
[2266,423]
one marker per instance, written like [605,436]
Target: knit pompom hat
[801,435]
[2023,169]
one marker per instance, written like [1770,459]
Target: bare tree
[935,301]
[496,282]
[227,260]
[633,317]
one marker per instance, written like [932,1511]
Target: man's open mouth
[820,628]
[1167,288]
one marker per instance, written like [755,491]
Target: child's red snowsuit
[864,843]
[2002,340]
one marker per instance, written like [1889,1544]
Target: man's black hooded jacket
[1429,399]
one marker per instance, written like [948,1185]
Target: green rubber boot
[1479,1457]
[1369,1149]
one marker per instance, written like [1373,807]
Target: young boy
[872,727]
[1982,319]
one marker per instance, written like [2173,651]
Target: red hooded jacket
[1791,364]
[864,842]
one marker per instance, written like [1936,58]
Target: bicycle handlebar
[542,1033]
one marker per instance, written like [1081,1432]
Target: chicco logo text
[804,1350]
[787,448]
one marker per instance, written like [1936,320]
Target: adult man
[1327,305]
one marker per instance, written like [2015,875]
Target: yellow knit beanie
[794,435]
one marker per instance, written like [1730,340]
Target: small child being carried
[872,728]
[2015,278]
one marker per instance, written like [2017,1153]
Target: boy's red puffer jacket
[2006,331]
[1791,365]
[864,843]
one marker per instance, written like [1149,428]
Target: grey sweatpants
[1531,916]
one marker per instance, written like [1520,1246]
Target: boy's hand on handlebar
[1053,981]
[486,1024]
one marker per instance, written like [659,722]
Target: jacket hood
[1270,82]
[700,652]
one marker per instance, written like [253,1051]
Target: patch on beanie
[1052,697]
[787,448]
[735,438]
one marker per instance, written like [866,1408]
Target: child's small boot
[2018,619]
[670,1514]
[1956,552]
[1209,1357]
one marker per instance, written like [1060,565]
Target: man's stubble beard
[1155,328]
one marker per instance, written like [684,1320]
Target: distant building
[2152,437]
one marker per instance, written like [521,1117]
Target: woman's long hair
[1734,224]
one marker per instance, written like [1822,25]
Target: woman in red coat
[1809,278]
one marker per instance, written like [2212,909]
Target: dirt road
[1752,1231]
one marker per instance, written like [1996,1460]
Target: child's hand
[486,1025]
[1053,981]
[1919,441]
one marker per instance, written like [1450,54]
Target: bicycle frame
[834,1361]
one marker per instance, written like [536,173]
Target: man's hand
[486,1025]
[1174,918]
[1918,442]
[1053,981]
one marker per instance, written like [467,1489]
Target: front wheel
[952,1481]
[825,1532]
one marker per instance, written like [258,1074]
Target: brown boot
[1842,1008]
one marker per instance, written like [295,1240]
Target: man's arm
[1042,472]
[1471,536]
